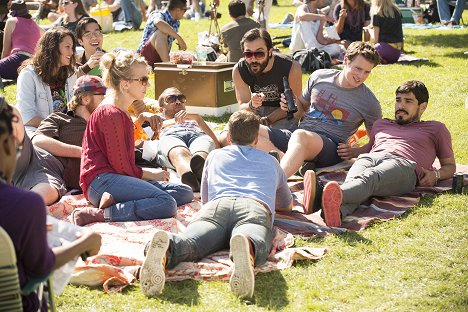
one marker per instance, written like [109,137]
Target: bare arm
[89,244]
[341,21]
[321,38]
[446,171]
[34,122]
[376,34]
[243,94]
[204,127]
[168,30]
[9,28]
[56,147]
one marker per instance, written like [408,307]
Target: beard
[400,118]
[261,66]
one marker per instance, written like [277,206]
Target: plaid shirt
[150,28]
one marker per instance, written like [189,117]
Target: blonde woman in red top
[109,177]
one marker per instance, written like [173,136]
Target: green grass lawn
[415,263]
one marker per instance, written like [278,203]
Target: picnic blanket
[376,210]
[123,243]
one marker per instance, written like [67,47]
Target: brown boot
[87,215]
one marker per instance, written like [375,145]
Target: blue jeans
[131,13]
[376,174]
[217,221]
[444,11]
[138,199]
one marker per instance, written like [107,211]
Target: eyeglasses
[256,54]
[66,2]
[143,80]
[90,34]
[97,93]
[173,98]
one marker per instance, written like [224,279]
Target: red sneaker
[331,202]
[309,191]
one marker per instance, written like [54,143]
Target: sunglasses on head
[173,98]
[256,54]
[66,2]
[143,80]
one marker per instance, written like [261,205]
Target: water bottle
[288,94]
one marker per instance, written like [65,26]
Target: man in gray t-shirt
[339,103]
[241,189]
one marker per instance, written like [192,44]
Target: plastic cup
[201,56]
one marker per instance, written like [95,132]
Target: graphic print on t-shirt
[324,108]
[270,91]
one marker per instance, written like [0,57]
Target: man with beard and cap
[338,103]
[402,156]
[184,140]
[61,134]
[258,79]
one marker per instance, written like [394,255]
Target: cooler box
[209,88]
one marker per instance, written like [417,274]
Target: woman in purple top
[351,16]
[19,39]
[23,217]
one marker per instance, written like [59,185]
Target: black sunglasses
[173,98]
[256,54]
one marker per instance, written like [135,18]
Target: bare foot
[106,201]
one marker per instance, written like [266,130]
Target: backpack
[312,59]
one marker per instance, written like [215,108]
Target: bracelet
[437,175]
[251,106]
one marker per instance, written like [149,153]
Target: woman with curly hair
[351,17]
[387,30]
[74,11]
[45,84]
[109,178]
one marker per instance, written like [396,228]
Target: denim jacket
[33,96]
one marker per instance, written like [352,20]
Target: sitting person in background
[387,30]
[73,12]
[258,78]
[403,151]
[185,144]
[233,32]
[23,217]
[48,9]
[61,134]
[160,31]
[308,30]
[19,40]
[444,12]
[89,36]
[242,188]
[109,177]
[351,17]
[45,84]
[128,14]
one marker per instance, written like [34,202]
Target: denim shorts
[195,141]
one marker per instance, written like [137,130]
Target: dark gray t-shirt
[336,111]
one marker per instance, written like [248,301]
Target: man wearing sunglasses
[52,164]
[258,78]
[160,31]
[184,143]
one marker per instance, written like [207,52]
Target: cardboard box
[209,88]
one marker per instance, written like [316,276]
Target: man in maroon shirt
[23,216]
[403,151]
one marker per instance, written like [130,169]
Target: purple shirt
[23,216]
[420,142]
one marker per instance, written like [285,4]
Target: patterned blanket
[123,242]
[377,209]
